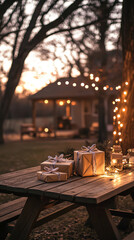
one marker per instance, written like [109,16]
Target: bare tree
[24,25]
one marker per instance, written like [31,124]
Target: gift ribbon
[51,170]
[57,159]
[92,149]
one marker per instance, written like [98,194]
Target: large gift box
[51,175]
[64,165]
[89,161]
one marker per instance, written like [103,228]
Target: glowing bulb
[67,82]
[125,100]
[119,122]
[96,88]
[46,130]
[118,115]
[113,102]
[46,101]
[114,132]
[93,84]
[61,103]
[68,101]
[59,83]
[123,109]
[126,83]
[114,161]
[111,88]
[119,133]
[97,79]
[120,139]
[105,88]
[86,86]
[125,93]
[74,84]
[116,108]
[114,117]
[121,125]
[82,84]
[91,76]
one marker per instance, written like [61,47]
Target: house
[80,102]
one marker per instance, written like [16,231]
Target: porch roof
[63,91]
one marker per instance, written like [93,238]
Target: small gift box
[51,175]
[89,161]
[64,165]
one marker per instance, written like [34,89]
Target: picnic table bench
[95,193]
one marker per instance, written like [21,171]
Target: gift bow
[89,149]
[51,170]
[57,158]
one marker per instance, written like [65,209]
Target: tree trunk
[13,80]
[128,74]
[103,56]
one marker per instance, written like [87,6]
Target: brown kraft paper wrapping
[51,177]
[84,165]
[66,167]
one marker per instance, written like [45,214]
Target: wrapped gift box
[64,165]
[51,177]
[89,163]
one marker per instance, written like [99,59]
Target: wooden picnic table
[93,192]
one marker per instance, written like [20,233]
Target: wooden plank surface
[75,189]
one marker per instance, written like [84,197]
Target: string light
[74,84]
[82,84]
[104,88]
[113,102]
[123,109]
[67,82]
[96,88]
[97,79]
[93,84]
[114,132]
[91,76]
[68,101]
[86,86]
[59,83]
[125,93]
[126,83]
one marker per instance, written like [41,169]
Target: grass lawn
[23,154]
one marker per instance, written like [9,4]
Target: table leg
[103,223]
[29,215]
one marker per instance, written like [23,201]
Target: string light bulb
[97,79]
[67,82]
[74,84]
[59,83]
[91,76]
[82,84]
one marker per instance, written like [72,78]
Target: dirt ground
[74,225]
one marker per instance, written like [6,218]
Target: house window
[95,108]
